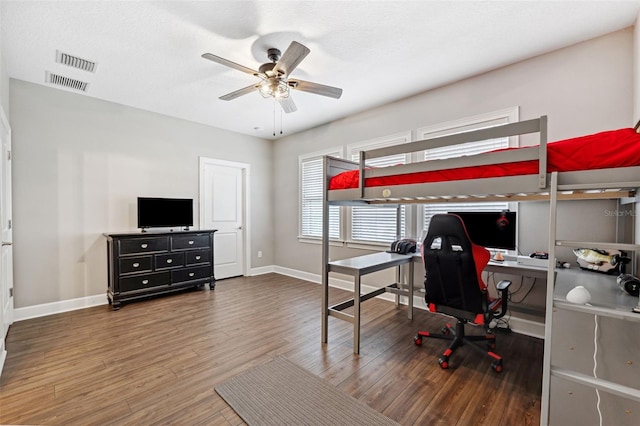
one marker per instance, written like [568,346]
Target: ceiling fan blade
[239,92]
[291,58]
[318,89]
[229,63]
[287,104]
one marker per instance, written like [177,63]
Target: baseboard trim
[21,314]
[261,270]
[3,357]
[518,325]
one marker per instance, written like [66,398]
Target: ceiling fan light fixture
[274,89]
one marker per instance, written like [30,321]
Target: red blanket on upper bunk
[611,149]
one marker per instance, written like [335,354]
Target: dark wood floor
[157,361]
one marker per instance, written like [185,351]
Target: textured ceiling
[148,54]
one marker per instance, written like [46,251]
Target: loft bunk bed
[605,165]
[611,159]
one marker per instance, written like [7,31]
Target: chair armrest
[503,285]
[503,288]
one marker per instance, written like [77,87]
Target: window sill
[318,241]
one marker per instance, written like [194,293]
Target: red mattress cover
[610,149]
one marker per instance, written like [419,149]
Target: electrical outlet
[260,254]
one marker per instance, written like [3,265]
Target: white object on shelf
[579,295]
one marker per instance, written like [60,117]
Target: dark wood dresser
[149,263]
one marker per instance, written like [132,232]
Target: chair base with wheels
[459,338]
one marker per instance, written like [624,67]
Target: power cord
[533,283]
[595,364]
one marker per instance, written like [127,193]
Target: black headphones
[629,284]
[404,246]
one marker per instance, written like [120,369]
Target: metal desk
[357,267]
[515,268]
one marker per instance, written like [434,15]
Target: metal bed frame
[618,183]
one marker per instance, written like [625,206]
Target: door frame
[246,175]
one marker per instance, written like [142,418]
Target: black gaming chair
[454,287]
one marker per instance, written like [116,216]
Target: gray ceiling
[148,54]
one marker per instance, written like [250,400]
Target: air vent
[75,62]
[70,83]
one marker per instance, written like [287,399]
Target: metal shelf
[600,245]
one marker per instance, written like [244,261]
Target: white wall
[79,164]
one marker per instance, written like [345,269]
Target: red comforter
[611,149]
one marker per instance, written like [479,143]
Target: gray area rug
[282,393]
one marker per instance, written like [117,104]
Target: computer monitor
[491,229]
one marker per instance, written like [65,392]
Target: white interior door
[6,255]
[5,191]
[222,207]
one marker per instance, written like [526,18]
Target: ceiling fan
[275,77]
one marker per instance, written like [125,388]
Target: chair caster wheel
[497,366]
[417,340]
[445,330]
[444,363]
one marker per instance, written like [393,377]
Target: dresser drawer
[144,245]
[170,260]
[136,264]
[189,242]
[190,274]
[140,282]
[197,257]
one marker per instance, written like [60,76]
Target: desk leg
[325,308]
[398,281]
[410,284]
[356,314]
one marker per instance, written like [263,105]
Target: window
[378,224]
[470,148]
[311,197]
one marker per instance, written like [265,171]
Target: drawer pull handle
[190,242]
[198,257]
[169,260]
[191,274]
[144,245]
[135,265]
[145,281]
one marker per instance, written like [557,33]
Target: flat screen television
[164,212]
[491,229]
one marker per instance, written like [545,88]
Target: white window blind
[377,224]
[311,201]
[469,148]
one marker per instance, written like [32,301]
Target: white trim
[52,308]
[381,142]
[246,202]
[328,151]
[261,270]
[3,357]
[512,114]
